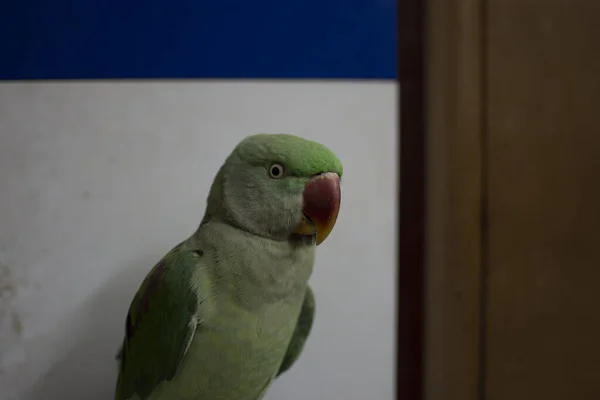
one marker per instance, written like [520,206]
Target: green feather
[302,158]
[303,328]
[159,325]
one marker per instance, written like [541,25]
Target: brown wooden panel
[454,137]
[543,338]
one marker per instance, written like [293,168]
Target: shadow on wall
[88,370]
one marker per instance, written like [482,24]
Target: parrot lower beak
[322,198]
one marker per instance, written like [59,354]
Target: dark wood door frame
[412,198]
[441,277]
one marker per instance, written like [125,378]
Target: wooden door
[513,272]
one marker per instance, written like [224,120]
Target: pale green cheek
[295,185]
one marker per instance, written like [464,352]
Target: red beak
[322,197]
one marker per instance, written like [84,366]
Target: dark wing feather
[159,327]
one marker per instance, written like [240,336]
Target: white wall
[99,180]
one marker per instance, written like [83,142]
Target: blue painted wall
[60,39]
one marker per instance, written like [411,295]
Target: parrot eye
[276,171]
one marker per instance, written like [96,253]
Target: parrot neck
[214,202]
[277,268]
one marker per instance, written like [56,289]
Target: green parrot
[229,309]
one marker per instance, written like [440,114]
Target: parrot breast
[250,293]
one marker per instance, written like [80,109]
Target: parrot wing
[160,325]
[303,327]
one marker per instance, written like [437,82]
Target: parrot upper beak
[322,198]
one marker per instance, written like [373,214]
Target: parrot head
[279,186]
